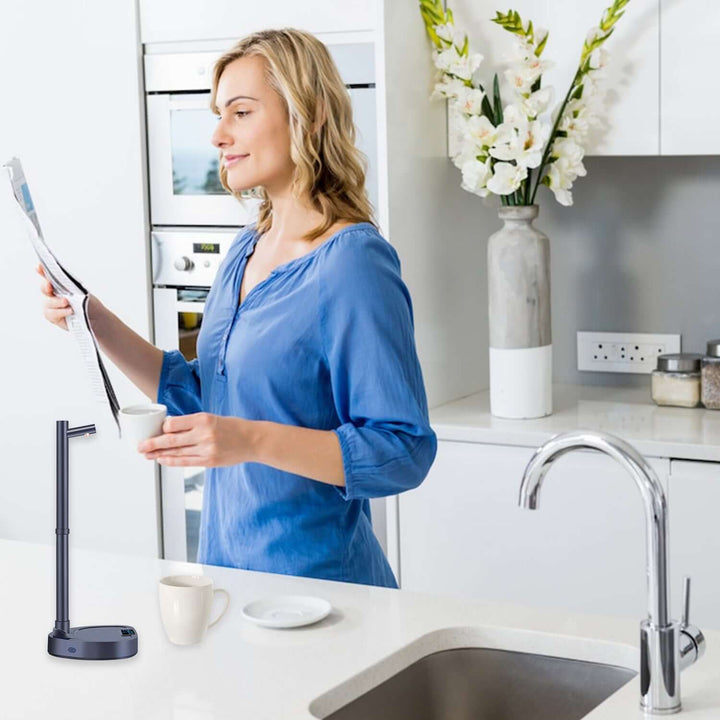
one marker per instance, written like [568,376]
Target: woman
[307,397]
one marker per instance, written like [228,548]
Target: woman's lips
[232,159]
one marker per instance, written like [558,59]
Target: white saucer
[287,611]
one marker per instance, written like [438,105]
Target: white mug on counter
[185,604]
[140,422]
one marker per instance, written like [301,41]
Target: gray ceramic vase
[519,316]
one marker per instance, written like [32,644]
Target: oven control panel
[189,257]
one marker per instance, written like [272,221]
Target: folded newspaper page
[66,285]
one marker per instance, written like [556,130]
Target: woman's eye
[242,113]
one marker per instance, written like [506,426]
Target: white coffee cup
[185,604]
[140,422]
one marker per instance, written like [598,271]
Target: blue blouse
[326,342]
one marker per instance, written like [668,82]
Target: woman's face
[253,124]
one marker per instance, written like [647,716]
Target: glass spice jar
[676,379]
[710,376]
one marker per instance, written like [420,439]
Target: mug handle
[227,605]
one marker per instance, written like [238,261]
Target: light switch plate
[623,352]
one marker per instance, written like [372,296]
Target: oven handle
[190,306]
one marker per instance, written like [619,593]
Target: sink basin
[488,684]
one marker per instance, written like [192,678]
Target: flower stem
[528,183]
[551,141]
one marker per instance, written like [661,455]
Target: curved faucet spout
[650,489]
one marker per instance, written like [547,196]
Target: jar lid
[713,348]
[679,362]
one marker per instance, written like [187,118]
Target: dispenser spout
[81,430]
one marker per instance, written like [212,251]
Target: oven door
[185,184]
[178,318]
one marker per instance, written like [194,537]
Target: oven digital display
[206,248]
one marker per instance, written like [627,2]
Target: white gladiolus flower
[462,66]
[469,100]
[480,131]
[511,150]
[591,86]
[457,126]
[540,34]
[521,78]
[522,75]
[468,152]
[475,175]
[562,195]
[514,115]
[450,34]
[537,102]
[444,31]
[536,65]
[536,136]
[562,174]
[443,59]
[593,34]
[521,141]
[575,126]
[520,51]
[568,149]
[448,87]
[506,178]
[598,58]
[566,168]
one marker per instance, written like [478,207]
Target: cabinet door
[632,103]
[690,106]
[695,540]
[188,21]
[582,550]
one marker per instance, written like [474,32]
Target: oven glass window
[195,161]
[189,324]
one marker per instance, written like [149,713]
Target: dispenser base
[94,642]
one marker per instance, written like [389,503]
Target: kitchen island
[244,671]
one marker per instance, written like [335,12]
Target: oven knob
[184,263]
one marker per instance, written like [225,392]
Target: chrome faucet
[666,647]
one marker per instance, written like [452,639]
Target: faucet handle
[686,602]
[692,641]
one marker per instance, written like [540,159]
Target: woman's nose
[220,137]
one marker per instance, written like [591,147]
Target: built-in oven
[194,220]
[185,262]
[183,164]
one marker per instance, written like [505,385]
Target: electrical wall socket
[623,352]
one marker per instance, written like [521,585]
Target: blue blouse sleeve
[366,322]
[179,386]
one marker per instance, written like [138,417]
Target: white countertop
[244,671]
[655,431]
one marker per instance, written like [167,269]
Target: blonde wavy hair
[329,169]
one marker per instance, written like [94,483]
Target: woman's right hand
[56,307]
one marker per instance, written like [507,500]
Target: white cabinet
[690,106]
[633,103]
[695,538]
[582,550]
[187,21]
[661,98]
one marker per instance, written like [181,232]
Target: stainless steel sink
[487,684]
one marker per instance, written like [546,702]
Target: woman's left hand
[200,439]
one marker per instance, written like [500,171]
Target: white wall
[71,111]
[439,230]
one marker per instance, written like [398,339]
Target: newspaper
[67,286]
